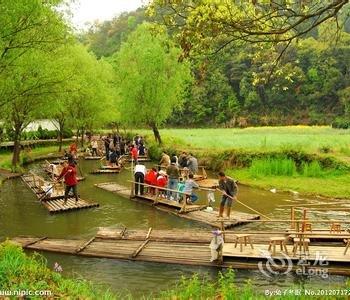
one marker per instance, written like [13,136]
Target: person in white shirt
[94,147]
[139,174]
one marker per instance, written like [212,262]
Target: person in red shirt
[162,182]
[69,173]
[151,179]
[134,153]
[73,149]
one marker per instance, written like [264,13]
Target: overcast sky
[90,10]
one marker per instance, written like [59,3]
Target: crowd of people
[114,146]
[174,177]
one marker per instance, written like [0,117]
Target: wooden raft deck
[55,203]
[106,167]
[177,247]
[93,157]
[105,171]
[194,212]
[142,159]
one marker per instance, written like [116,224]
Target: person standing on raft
[69,173]
[229,189]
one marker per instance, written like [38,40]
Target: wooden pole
[132,176]
[292,217]
[313,204]
[252,209]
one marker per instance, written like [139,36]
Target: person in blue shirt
[190,184]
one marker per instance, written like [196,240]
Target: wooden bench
[243,238]
[281,241]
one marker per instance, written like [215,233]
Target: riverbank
[28,156]
[30,273]
[235,150]
[20,272]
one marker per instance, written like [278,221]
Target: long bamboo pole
[312,204]
[288,221]
[252,209]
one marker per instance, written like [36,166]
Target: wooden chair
[243,238]
[335,228]
[302,244]
[281,241]
[307,227]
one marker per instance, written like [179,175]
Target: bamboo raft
[186,248]
[105,171]
[106,167]
[141,159]
[93,157]
[191,212]
[54,202]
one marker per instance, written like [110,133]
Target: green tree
[28,25]
[31,84]
[150,78]
[213,25]
[86,98]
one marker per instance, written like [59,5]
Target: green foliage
[150,78]
[202,288]
[273,167]
[247,84]
[21,272]
[312,169]
[341,123]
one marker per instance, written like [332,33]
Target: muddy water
[21,214]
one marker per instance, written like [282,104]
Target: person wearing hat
[216,246]
[162,181]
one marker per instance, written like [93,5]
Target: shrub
[273,167]
[325,149]
[67,133]
[341,123]
[19,271]
[312,169]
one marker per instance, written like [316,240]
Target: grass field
[321,140]
[6,156]
[305,137]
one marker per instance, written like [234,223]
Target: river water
[21,214]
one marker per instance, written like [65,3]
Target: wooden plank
[34,242]
[92,157]
[181,252]
[197,214]
[82,247]
[139,249]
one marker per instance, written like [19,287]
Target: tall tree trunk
[117,125]
[60,136]
[82,137]
[17,145]
[156,133]
[77,137]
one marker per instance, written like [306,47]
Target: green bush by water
[312,169]
[273,167]
[288,167]
[21,272]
